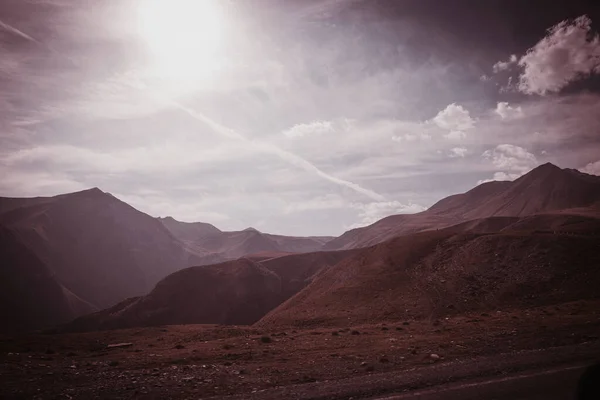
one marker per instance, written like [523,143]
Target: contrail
[283,154]
[17,32]
[230,133]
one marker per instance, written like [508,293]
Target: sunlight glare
[185,37]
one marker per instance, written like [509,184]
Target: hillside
[215,245]
[30,296]
[545,189]
[235,292]
[96,246]
[439,273]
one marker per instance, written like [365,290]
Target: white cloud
[456,119]
[513,161]
[326,202]
[592,168]
[458,152]
[505,65]
[455,135]
[411,137]
[313,128]
[373,212]
[569,52]
[505,111]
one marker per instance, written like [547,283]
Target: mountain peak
[547,167]
[93,192]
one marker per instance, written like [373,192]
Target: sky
[293,117]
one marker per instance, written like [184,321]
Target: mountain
[30,296]
[97,247]
[215,245]
[98,251]
[545,189]
[235,292]
[436,273]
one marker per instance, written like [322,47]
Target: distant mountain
[30,295]
[235,292]
[98,250]
[437,273]
[545,189]
[96,246]
[215,245]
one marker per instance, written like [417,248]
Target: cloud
[458,152]
[505,111]
[455,135]
[592,168]
[456,119]
[310,129]
[281,153]
[568,53]
[326,202]
[514,161]
[505,65]
[370,213]
[411,137]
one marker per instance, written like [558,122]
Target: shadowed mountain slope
[98,247]
[235,292]
[30,296]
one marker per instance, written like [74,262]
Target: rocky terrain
[361,361]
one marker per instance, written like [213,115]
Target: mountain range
[532,240]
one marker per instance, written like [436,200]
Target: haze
[293,117]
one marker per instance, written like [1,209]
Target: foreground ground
[363,361]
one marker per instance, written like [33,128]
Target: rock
[435,357]
[117,345]
[363,364]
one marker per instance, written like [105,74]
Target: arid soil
[197,361]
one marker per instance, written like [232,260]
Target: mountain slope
[235,292]
[98,247]
[30,296]
[215,245]
[432,274]
[545,189]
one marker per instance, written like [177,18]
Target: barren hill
[545,189]
[234,292]
[432,274]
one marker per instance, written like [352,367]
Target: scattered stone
[363,364]
[113,363]
[355,333]
[118,345]
[434,357]
[179,347]
[405,323]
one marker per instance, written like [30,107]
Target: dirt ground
[196,361]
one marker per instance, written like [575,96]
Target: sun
[184,37]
